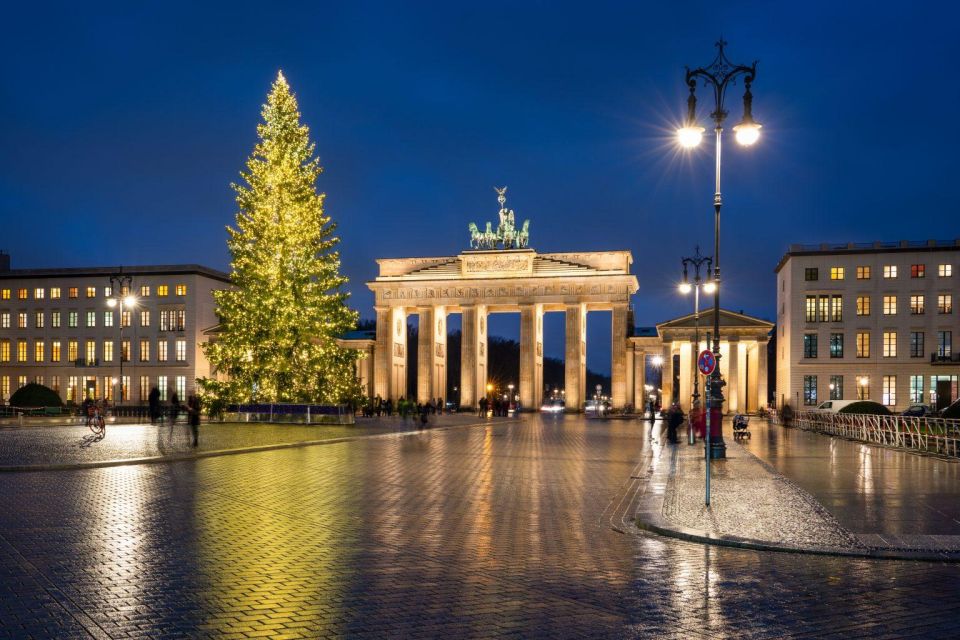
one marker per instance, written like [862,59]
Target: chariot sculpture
[507,236]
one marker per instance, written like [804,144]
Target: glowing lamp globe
[710,287]
[747,132]
[689,136]
[685,288]
[130,301]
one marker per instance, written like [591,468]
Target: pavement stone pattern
[74,443]
[747,499]
[497,531]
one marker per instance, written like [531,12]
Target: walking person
[193,411]
[153,401]
[174,408]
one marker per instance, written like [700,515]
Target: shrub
[35,395]
[866,407]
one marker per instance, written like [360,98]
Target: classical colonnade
[476,284]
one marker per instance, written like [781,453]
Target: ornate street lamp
[119,297]
[686,287]
[719,75]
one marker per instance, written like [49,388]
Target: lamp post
[510,401]
[686,287]
[719,75]
[120,296]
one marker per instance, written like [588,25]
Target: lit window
[145,291]
[22,320]
[918,270]
[38,293]
[161,350]
[107,292]
[916,389]
[125,350]
[811,309]
[945,270]
[38,351]
[836,346]
[108,318]
[5,350]
[181,320]
[91,292]
[108,350]
[945,303]
[863,388]
[823,309]
[162,290]
[55,351]
[21,350]
[125,319]
[91,352]
[91,318]
[809,345]
[889,390]
[889,344]
[181,289]
[5,320]
[916,305]
[144,318]
[863,344]
[889,271]
[836,387]
[944,344]
[55,319]
[889,305]
[836,308]
[73,350]
[54,293]
[836,273]
[162,387]
[810,390]
[38,319]
[144,350]
[73,293]
[22,294]
[5,294]
[72,319]
[181,350]
[144,388]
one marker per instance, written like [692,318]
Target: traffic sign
[706,362]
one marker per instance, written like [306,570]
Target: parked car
[951,411]
[918,410]
[834,406]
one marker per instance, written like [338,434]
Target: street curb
[649,517]
[75,466]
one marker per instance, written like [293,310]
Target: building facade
[868,321]
[57,328]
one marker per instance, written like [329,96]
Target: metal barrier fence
[293,413]
[930,435]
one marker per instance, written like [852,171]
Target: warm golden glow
[690,136]
[747,133]
[710,287]
[111,302]
[685,288]
[130,301]
[657,361]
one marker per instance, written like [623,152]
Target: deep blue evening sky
[122,128]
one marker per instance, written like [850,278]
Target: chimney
[4,261]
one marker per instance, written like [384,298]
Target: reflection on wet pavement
[498,531]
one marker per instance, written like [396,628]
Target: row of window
[944,344]
[829,308]
[40,293]
[91,353]
[812,274]
[80,387]
[888,389]
[170,319]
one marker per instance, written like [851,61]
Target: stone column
[733,375]
[439,330]
[618,359]
[687,366]
[398,357]
[762,372]
[639,379]
[473,355]
[383,354]
[531,356]
[425,341]
[575,361]
[628,384]
[666,397]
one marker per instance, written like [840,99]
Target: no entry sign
[706,362]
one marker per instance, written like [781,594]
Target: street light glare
[690,136]
[657,361]
[111,302]
[130,301]
[747,133]
[710,287]
[684,288]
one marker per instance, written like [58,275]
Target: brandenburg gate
[478,283]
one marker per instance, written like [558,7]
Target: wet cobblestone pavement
[74,444]
[498,531]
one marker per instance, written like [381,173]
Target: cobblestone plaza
[511,529]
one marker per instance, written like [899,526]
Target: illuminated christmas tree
[279,321]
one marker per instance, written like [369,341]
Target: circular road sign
[706,362]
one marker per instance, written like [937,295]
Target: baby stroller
[740,423]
